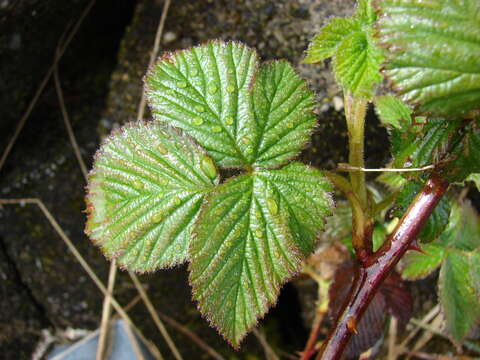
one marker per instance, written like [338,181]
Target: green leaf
[240,114]
[144,193]
[393,112]
[433,52]
[350,43]
[249,239]
[459,285]
[453,146]
[392,180]
[416,265]
[438,220]
[357,64]
[283,114]
[463,231]
[326,42]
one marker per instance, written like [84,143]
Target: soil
[43,286]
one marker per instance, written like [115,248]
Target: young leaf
[350,43]
[459,285]
[145,191]
[326,42]
[249,240]
[240,114]
[393,112]
[476,179]
[437,221]
[433,51]
[357,64]
[416,265]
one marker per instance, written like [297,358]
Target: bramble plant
[157,195]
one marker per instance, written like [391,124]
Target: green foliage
[241,113]
[351,45]
[433,53]
[457,252]
[437,221]
[453,146]
[249,240]
[154,195]
[145,193]
[393,112]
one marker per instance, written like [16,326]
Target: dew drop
[208,167]
[286,110]
[212,89]
[162,149]
[259,232]
[199,108]
[163,181]
[197,121]
[272,206]
[182,84]
[217,129]
[169,92]
[229,120]
[258,215]
[290,125]
[230,88]
[177,201]
[137,184]
[194,72]
[157,217]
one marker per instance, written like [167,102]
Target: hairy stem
[355,110]
[376,268]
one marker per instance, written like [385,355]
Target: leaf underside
[433,53]
[241,113]
[145,191]
[250,238]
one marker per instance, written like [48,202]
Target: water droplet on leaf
[182,84]
[199,108]
[259,232]
[162,149]
[229,120]
[208,166]
[212,89]
[197,121]
[217,129]
[230,88]
[272,206]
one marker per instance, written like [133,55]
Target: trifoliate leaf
[357,64]
[326,42]
[433,52]
[459,285]
[416,265]
[145,191]
[438,220]
[463,231]
[240,114]
[249,239]
[393,112]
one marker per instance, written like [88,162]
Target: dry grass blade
[85,266]
[44,82]
[192,336]
[107,303]
[153,55]
[267,349]
[155,316]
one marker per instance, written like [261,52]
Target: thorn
[414,246]
[352,325]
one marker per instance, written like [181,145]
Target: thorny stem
[377,267]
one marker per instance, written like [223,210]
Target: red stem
[377,267]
